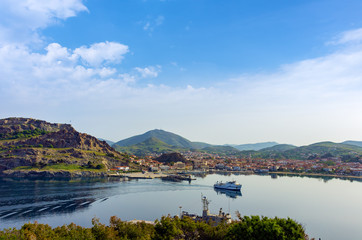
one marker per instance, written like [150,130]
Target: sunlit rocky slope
[30,144]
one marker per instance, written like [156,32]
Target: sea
[328,208]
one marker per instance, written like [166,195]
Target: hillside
[150,145]
[221,150]
[354,143]
[318,150]
[254,146]
[278,148]
[312,151]
[30,144]
[160,141]
[164,136]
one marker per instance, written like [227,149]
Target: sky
[221,72]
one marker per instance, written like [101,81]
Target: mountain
[313,151]
[27,143]
[223,150]
[278,148]
[254,146]
[164,136]
[322,150]
[355,143]
[150,145]
[110,143]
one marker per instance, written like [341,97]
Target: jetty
[152,175]
[178,177]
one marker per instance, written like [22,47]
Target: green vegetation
[166,137]
[254,146]
[221,150]
[22,134]
[251,228]
[151,145]
[62,166]
[265,228]
[310,152]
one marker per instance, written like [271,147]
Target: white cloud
[99,53]
[351,36]
[151,24]
[22,19]
[149,72]
[302,101]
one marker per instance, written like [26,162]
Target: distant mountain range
[253,146]
[347,152]
[160,141]
[110,143]
[355,143]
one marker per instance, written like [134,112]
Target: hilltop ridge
[164,136]
[27,143]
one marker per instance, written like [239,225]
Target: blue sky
[212,71]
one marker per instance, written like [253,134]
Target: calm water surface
[327,209]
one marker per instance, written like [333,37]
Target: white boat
[228,186]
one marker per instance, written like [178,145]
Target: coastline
[303,174]
[65,174]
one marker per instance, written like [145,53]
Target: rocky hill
[172,158]
[28,144]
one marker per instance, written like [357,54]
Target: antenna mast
[205,203]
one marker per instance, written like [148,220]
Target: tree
[254,228]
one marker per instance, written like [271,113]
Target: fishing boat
[232,185]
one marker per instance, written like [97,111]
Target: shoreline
[64,174]
[303,174]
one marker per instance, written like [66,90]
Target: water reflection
[26,199]
[21,212]
[228,193]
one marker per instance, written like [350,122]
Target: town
[205,162]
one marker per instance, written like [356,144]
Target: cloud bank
[304,101]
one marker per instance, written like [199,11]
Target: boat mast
[205,206]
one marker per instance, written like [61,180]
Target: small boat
[232,185]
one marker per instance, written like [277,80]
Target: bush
[254,227]
[251,228]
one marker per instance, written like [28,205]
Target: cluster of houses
[208,161]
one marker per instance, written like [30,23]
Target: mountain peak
[162,135]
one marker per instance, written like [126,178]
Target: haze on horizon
[211,71]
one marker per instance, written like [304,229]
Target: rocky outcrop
[171,157]
[31,142]
[9,125]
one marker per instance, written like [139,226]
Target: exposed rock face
[30,142]
[69,138]
[171,157]
[10,125]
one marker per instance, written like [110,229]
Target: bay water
[327,208]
